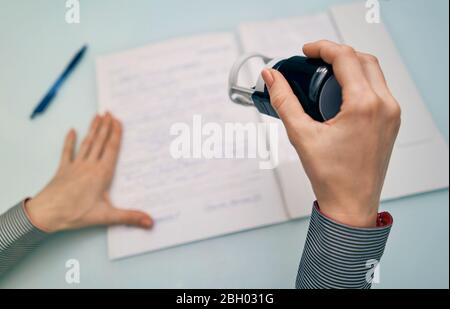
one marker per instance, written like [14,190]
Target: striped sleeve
[338,256]
[18,236]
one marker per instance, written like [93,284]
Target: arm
[341,256]
[346,160]
[76,197]
[18,236]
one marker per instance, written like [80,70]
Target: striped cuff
[18,236]
[340,256]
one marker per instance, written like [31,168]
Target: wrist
[40,216]
[351,213]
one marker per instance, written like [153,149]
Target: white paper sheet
[151,88]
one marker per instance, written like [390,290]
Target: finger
[284,101]
[88,140]
[117,216]
[374,74]
[377,80]
[112,147]
[101,138]
[346,66]
[68,148]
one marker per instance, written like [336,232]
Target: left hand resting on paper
[77,196]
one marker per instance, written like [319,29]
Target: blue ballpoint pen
[45,102]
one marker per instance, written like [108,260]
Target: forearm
[340,256]
[18,236]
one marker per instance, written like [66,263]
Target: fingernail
[268,78]
[147,223]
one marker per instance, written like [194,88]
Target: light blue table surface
[35,43]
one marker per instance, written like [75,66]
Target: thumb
[117,216]
[284,101]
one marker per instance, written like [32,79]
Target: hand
[346,158]
[77,196]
